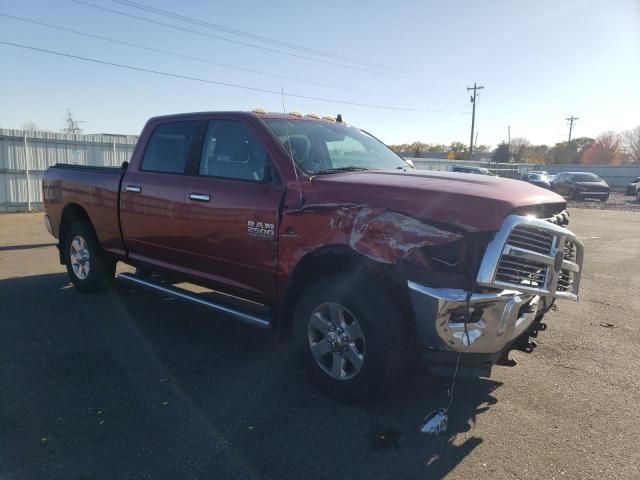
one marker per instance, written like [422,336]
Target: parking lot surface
[130,384]
[617,201]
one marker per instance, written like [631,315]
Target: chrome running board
[190,297]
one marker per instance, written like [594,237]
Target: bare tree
[30,126]
[536,154]
[71,125]
[519,147]
[631,144]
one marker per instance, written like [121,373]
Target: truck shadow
[204,395]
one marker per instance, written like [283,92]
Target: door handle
[133,188]
[200,197]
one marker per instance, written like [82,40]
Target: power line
[217,37]
[175,54]
[233,31]
[215,82]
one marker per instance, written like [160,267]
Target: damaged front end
[500,302]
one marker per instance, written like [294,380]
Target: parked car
[540,172]
[537,179]
[580,185]
[476,170]
[317,230]
[632,187]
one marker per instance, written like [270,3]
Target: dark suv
[580,185]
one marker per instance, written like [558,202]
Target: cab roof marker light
[314,115]
[260,110]
[295,114]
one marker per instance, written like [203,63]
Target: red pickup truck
[314,228]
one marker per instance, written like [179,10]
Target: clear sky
[539,61]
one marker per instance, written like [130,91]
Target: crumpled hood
[470,202]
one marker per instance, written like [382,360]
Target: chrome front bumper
[496,319]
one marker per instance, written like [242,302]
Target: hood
[473,203]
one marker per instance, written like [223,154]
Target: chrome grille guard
[533,266]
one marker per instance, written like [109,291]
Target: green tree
[562,153]
[501,154]
[582,144]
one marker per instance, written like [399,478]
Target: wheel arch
[72,213]
[322,262]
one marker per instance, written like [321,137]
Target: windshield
[536,176]
[586,177]
[320,146]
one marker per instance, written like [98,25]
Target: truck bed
[95,189]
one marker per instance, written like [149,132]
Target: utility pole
[571,119]
[474,97]
[509,141]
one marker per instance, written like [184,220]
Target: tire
[376,351]
[573,195]
[88,268]
[604,199]
[638,194]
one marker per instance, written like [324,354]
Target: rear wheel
[352,337]
[573,195]
[87,266]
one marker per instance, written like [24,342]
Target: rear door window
[168,148]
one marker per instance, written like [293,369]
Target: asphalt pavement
[131,384]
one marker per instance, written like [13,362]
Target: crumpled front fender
[379,234]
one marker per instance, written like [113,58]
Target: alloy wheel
[79,257]
[336,341]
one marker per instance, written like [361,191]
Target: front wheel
[352,337]
[88,268]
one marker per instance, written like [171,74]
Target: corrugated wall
[43,149]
